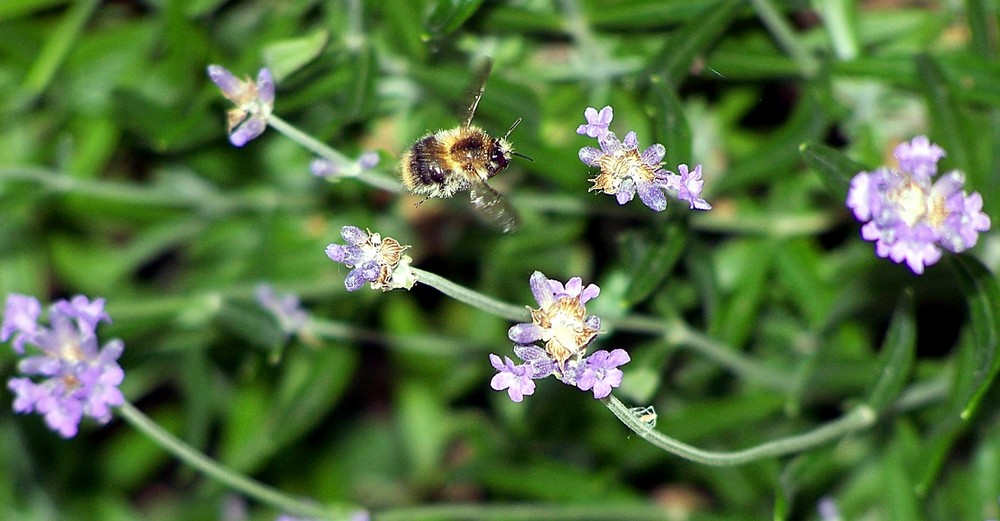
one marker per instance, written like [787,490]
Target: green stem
[839,17]
[353,169]
[674,331]
[472,298]
[603,511]
[228,477]
[785,36]
[860,418]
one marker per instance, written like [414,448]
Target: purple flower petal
[265,86]
[525,333]
[539,284]
[652,196]
[248,130]
[919,157]
[20,320]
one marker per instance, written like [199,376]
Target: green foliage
[764,318]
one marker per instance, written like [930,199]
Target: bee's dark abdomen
[424,163]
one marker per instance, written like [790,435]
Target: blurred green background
[117,181]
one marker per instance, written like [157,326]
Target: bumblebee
[445,162]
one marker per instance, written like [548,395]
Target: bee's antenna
[512,127]
[518,154]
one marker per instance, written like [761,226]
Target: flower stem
[351,167]
[860,418]
[472,298]
[228,477]
[515,512]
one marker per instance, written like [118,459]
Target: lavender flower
[597,123]
[254,102]
[910,218]
[625,172]
[561,323]
[561,320]
[688,186]
[372,259]
[286,308]
[600,372]
[77,378]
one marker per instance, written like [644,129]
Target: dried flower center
[616,168]
[565,332]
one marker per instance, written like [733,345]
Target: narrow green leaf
[982,293]
[448,15]
[834,167]
[422,418]
[659,259]
[680,50]
[669,121]
[948,124]
[776,153]
[983,33]
[898,353]
[284,57]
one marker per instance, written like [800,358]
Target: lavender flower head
[564,329]
[597,122]
[372,259]
[286,308]
[254,102]
[625,172]
[75,377]
[909,217]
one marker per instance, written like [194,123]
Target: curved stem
[353,169]
[515,512]
[227,476]
[472,298]
[860,418]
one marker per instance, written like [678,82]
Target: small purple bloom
[77,378]
[625,172]
[600,372]
[597,122]
[329,168]
[911,219]
[324,168]
[515,378]
[253,102]
[286,308]
[561,320]
[562,326]
[372,259]
[689,187]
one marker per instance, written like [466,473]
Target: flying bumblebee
[463,158]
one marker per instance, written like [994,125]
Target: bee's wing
[497,210]
[476,89]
